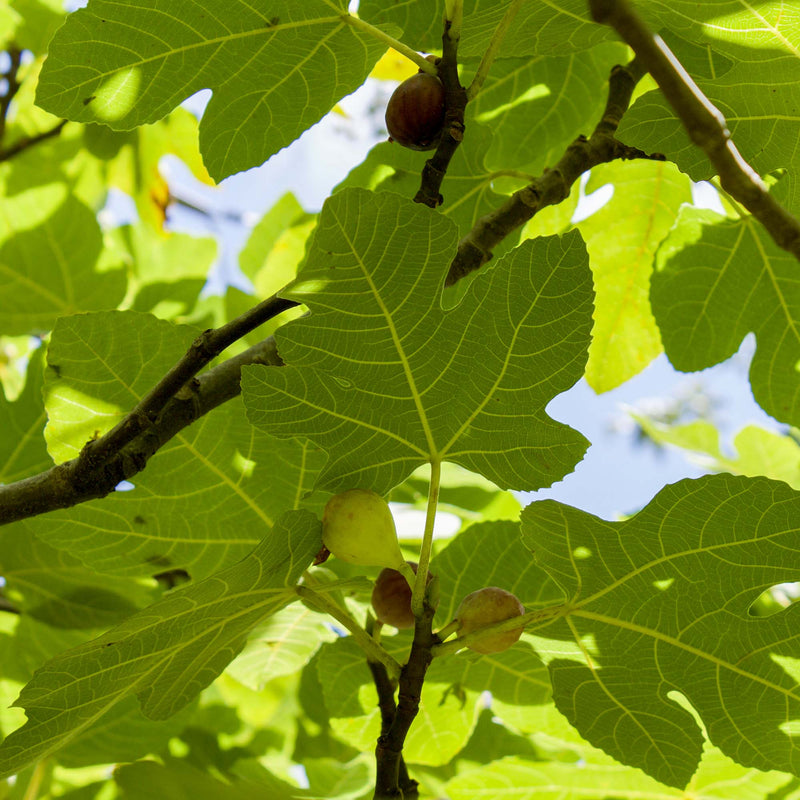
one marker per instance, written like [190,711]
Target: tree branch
[12,85]
[704,123]
[453,127]
[89,478]
[391,780]
[27,142]
[553,186]
[205,348]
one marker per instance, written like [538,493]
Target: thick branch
[554,185]
[704,123]
[67,484]
[175,402]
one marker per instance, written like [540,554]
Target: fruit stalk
[421,579]
[454,14]
[374,652]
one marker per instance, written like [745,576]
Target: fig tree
[358,527]
[485,607]
[415,112]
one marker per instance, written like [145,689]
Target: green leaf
[759,100]
[536,106]
[538,28]
[241,482]
[656,628]
[122,735]
[40,19]
[22,449]
[282,645]
[55,587]
[238,481]
[273,72]
[181,781]
[385,380]
[165,654]
[758,451]
[622,238]
[516,778]
[719,279]
[491,554]
[286,213]
[104,363]
[50,269]
[169,270]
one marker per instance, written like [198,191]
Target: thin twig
[204,349]
[7,605]
[553,186]
[12,86]
[704,123]
[26,142]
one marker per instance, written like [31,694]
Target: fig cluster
[415,112]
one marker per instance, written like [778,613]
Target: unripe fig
[484,607]
[358,527]
[391,597]
[415,113]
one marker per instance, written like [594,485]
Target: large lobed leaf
[384,379]
[656,616]
[166,653]
[274,70]
[718,280]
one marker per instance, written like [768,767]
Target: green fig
[358,527]
[485,607]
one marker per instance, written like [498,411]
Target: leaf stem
[390,41]
[491,51]
[35,783]
[373,650]
[421,582]
[454,14]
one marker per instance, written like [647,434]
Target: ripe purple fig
[485,607]
[415,113]
[391,597]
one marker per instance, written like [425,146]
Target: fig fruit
[415,113]
[391,597]
[484,607]
[358,527]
